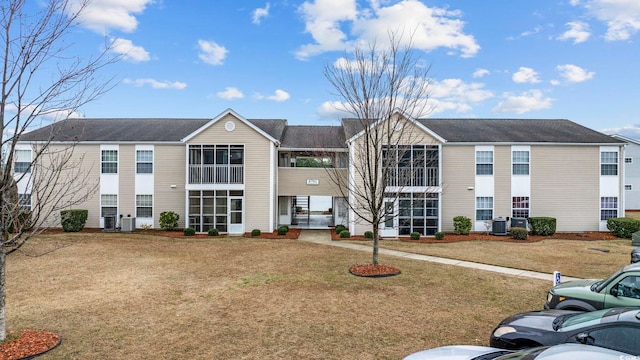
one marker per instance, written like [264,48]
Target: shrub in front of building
[462,225]
[368,234]
[623,227]
[283,230]
[169,220]
[256,232]
[542,225]
[345,234]
[340,228]
[73,220]
[213,232]
[439,235]
[414,236]
[189,232]
[519,233]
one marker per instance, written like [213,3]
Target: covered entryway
[311,211]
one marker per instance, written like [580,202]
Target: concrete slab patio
[323,237]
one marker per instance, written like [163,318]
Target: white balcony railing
[216,174]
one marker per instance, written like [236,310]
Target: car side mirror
[585,338]
[614,290]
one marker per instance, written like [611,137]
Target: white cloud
[211,52]
[155,84]
[278,96]
[578,31]
[42,113]
[525,75]
[572,74]
[129,51]
[103,15]
[230,93]
[456,95]
[621,16]
[630,131]
[260,13]
[431,27]
[523,102]
[480,73]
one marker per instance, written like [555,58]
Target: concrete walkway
[323,237]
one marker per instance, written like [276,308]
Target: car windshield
[582,320]
[603,283]
[523,354]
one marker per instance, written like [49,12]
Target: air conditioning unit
[127,224]
[109,223]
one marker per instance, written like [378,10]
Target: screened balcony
[216,164]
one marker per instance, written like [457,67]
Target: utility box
[128,224]
[499,226]
[519,222]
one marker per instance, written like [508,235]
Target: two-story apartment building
[631,172]
[238,174]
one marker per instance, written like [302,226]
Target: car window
[603,283]
[621,338]
[578,321]
[628,287]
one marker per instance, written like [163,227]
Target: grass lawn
[119,296]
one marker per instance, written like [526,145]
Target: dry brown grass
[584,259]
[116,296]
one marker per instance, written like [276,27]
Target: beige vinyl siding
[127,180]
[89,158]
[293,181]
[169,169]
[502,181]
[458,174]
[257,162]
[559,173]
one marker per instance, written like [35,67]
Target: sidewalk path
[323,237]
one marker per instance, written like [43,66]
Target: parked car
[556,352]
[620,289]
[567,352]
[458,352]
[617,329]
[635,255]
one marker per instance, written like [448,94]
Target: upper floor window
[22,161]
[520,162]
[109,161]
[144,161]
[609,163]
[484,162]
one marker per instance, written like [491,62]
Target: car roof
[632,267]
[567,351]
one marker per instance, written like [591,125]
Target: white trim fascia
[471,143]
[408,118]
[272,184]
[237,116]
[315,149]
[103,142]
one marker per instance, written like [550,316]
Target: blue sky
[571,59]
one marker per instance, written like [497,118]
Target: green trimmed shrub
[213,232]
[256,232]
[542,225]
[415,235]
[345,234]
[368,234]
[462,225]
[73,220]
[169,220]
[189,232]
[439,235]
[623,227]
[282,230]
[340,228]
[519,233]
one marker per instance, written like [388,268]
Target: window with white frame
[484,162]
[144,161]
[608,207]
[108,205]
[609,163]
[484,208]
[520,162]
[109,161]
[520,207]
[22,161]
[24,201]
[628,187]
[144,206]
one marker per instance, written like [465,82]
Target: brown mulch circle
[451,237]
[370,270]
[27,343]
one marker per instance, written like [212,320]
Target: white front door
[389,227]
[236,215]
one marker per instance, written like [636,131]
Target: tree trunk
[3,275]
[376,236]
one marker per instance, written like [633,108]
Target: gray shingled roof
[515,131]
[314,137]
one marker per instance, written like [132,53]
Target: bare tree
[41,78]
[381,88]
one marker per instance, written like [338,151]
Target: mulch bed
[370,270]
[27,343]
[179,234]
